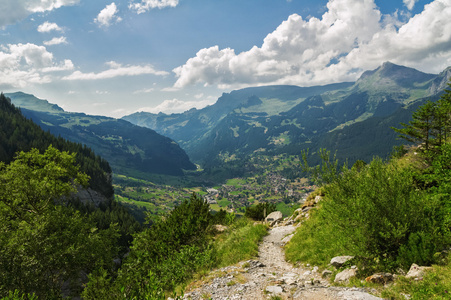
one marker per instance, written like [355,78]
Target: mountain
[21,134]
[287,119]
[127,147]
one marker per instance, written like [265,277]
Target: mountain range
[127,147]
[351,118]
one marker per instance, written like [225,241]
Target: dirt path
[270,275]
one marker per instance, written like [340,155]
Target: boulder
[345,275]
[380,278]
[275,289]
[273,217]
[417,272]
[220,228]
[326,273]
[338,261]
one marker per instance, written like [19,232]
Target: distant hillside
[127,147]
[20,134]
[346,118]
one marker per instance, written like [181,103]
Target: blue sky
[117,57]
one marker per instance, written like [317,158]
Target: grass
[436,284]
[239,244]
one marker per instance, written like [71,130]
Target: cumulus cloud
[56,41]
[108,15]
[116,70]
[350,37]
[26,64]
[12,11]
[47,27]
[176,106]
[146,5]
[410,3]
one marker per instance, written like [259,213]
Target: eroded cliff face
[89,196]
[441,82]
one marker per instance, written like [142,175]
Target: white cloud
[47,27]
[27,64]
[409,3]
[176,106]
[108,15]
[350,37]
[116,70]
[66,66]
[56,41]
[146,5]
[12,11]
[144,91]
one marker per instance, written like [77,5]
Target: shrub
[260,211]
[377,214]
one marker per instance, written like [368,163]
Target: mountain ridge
[126,146]
[274,118]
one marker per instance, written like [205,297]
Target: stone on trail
[380,278]
[275,289]
[338,261]
[345,275]
[274,217]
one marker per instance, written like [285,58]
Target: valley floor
[269,276]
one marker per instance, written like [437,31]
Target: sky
[114,58]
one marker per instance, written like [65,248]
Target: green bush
[172,249]
[260,211]
[377,214]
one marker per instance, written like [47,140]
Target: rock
[307,208]
[417,272]
[326,273]
[220,228]
[317,199]
[287,238]
[380,278]
[88,196]
[275,289]
[354,294]
[338,261]
[315,269]
[345,275]
[275,216]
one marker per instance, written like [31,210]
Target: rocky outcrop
[89,196]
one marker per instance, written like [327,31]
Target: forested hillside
[19,134]
[129,149]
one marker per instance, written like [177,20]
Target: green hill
[20,134]
[127,147]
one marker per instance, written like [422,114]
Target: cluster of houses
[273,188]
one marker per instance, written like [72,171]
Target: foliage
[430,125]
[436,284]
[377,214]
[43,245]
[260,211]
[19,134]
[240,244]
[172,249]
